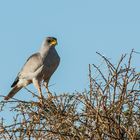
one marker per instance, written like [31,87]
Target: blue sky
[82,28]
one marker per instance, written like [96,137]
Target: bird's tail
[12,92]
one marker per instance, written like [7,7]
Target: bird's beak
[54,42]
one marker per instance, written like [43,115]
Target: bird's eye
[49,41]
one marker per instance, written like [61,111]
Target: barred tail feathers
[13,91]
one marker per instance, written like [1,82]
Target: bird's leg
[38,87]
[47,89]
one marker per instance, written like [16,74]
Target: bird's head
[51,41]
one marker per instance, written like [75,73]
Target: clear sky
[82,27]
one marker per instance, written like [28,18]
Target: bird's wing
[33,63]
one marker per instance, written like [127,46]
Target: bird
[38,68]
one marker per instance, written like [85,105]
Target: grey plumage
[39,67]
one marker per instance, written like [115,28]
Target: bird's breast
[50,63]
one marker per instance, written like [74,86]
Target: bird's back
[33,63]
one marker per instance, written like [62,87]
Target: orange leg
[38,87]
[47,89]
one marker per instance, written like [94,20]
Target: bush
[109,110]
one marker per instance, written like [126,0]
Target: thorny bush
[109,110]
